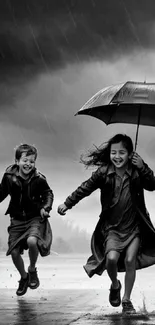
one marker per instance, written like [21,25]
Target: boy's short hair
[27,148]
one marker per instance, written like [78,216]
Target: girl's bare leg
[130,261]
[111,266]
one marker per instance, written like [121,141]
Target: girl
[124,238]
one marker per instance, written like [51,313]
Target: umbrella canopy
[130,102]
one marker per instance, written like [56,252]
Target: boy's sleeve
[147,177]
[47,195]
[85,189]
[4,188]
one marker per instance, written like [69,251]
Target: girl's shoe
[115,296]
[33,279]
[127,307]
[23,285]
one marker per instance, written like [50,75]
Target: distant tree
[61,246]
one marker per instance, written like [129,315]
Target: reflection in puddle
[136,319]
[119,319]
[26,312]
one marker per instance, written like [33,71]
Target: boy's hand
[44,213]
[137,160]
[62,209]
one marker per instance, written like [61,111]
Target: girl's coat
[140,180]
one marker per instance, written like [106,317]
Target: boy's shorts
[19,231]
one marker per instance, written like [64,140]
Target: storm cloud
[42,35]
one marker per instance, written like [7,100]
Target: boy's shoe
[114,296]
[33,279]
[127,307]
[23,285]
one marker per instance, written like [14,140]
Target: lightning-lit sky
[54,55]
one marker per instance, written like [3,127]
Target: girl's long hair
[101,155]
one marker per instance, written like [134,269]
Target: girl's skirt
[118,241]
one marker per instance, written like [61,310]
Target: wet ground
[64,307]
[67,296]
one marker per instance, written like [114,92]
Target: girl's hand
[137,160]
[44,213]
[62,209]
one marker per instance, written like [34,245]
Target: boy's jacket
[38,192]
[101,179]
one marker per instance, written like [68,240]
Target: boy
[29,207]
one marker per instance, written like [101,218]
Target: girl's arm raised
[146,174]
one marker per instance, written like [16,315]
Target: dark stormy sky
[54,55]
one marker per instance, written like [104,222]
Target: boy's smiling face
[26,164]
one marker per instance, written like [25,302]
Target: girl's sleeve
[85,189]
[147,177]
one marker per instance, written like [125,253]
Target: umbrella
[130,102]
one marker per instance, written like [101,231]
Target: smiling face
[119,155]
[26,164]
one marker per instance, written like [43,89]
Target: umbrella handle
[138,122]
[136,137]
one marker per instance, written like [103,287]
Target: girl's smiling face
[26,164]
[119,155]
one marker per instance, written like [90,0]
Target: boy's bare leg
[33,255]
[111,266]
[33,252]
[18,262]
[130,260]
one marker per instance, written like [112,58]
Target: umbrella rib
[116,107]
